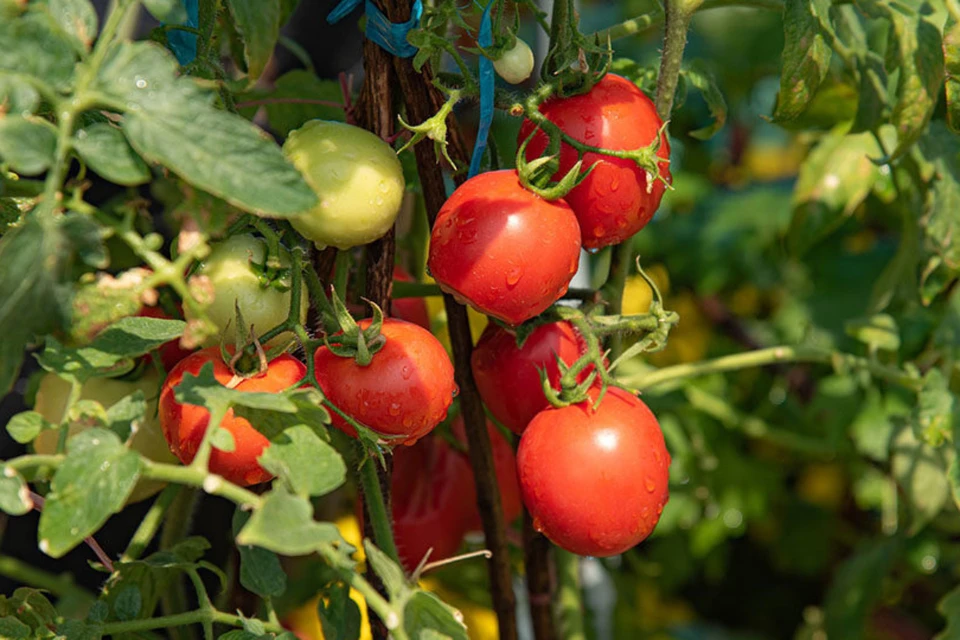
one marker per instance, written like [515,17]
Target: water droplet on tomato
[614,184]
[537,525]
[645,514]
[406,372]
[593,250]
[598,230]
[649,484]
[514,275]
[621,222]
[394,409]
[659,508]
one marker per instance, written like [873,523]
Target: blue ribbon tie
[390,36]
[487,82]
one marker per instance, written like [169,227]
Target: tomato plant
[405,391]
[358,178]
[170,352]
[617,198]
[184,425]
[504,250]
[617,494]
[516,63]
[508,377]
[240,276]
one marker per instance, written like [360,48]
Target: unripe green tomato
[52,396]
[233,267]
[358,180]
[516,64]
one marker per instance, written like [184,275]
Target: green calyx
[352,341]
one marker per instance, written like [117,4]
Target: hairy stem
[375,507]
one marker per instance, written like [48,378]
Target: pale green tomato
[148,439]
[233,267]
[358,180]
[516,64]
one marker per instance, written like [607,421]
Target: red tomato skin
[505,466]
[404,391]
[504,250]
[184,424]
[612,202]
[508,378]
[595,482]
[431,497]
[170,352]
[410,309]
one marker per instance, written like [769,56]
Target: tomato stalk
[568,595]
[151,522]
[375,505]
[536,559]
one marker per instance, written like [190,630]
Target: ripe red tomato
[184,424]
[404,391]
[503,249]
[410,309]
[508,378]
[505,465]
[613,202]
[595,482]
[170,352]
[432,496]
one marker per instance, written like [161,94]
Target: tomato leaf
[128,604]
[106,151]
[14,494]
[949,608]
[205,390]
[26,144]
[874,103]
[836,178]
[390,573]
[171,120]
[307,464]
[169,11]
[26,426]
[260,570]
[857,586]
[34,45]
[78,19]
[308,411]
[951,53]
[941,216]
[12,628]
[920,470]
[284,523]
[878,332]
[300,85]
[258,22]
[425,613]
[90,485]
[18,96]
[806,56]
[121,416]
[339,615]
[113,348]
[698,75]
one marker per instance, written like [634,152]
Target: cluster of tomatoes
[592,474]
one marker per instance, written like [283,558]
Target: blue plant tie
[486,92]
[183,43]
[391,36]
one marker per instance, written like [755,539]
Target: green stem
[179,620]
[175,528]
[150,524]
[33,461]
[772,355]
[677,18]
[193,477]
[25,574]
[568,596]
[202,460]
[375,506]
[629,27]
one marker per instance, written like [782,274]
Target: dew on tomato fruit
[659,508]
[394,409]
[537,525]
[598,230]
[406,372]
[614,184]
[514,275]
[649,484]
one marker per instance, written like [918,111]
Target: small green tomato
[516,64]
[357,177]
[234,267]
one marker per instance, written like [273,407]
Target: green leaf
[941,219]
[299,84]
[204,389]
[872,429]
[103,147]
[389,572]
[426,612]
[122,415]
[90,485]
[287,7]
[919,56]
[874,102]
[27,144]
[13,629]
[170,120]
[128,604]
[169,11]
[26,426]
[17,96]
[85,238]
[704,81]
[284,523]
[77,18]
[949,608]
[258,22]
[921,471]
[856,587]
[223,440]
[836,178]
[339,614]
[308,411]
[34,45]
[806,56]
[878,332]
[307,464]
[14,494]
[935,414]
[112,349]
[260,570]
[951,53]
